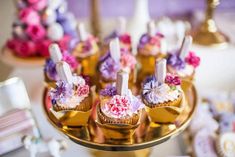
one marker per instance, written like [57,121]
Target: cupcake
[204,144]
[50,73]
[225,145]
[183,62]
[162,95]
[151,47]
[120,33]
[87,53]
[71,97]
[114,61]
[119,111]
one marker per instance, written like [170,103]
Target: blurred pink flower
[42,47]
[32,1]
[39,5]
[12,44]
[64,42]
[36,32]
[125,38]
[172,80]
[29,16]
[25,48]
[127,60]
[192,59]
[71,60]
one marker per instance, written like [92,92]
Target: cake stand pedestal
[8,57]
[146,136]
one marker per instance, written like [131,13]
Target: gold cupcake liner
[117,129]
[165,112]
[74,117]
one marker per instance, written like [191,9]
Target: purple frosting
[109,90]
[50,69]
[175,61]
[62,91]
[109,69]
[227,123]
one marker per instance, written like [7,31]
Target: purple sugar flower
[143,40]
[175,61]
[109,90]
[50,69]
[149,86]
[109,69]
[62,92]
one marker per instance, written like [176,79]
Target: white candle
[121,25]
[122,83]
[151,28]
[55,53]
[185,46]
[160,72]
[82,32]
[115,49]
[64,72]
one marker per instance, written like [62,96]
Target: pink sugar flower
[39,4]
[125,38]
[118,105]
[83,90]
[127,60]
[154,40]
[64,42]
[42,48]
[172,80]
[32,1]
[71,60]
[25,48]
[192,59]
[36,32]
[29,16]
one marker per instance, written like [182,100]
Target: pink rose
[39,4]
[71,60]
[25,48]
[64,42]
[125,38]
[192,59]
[12,44]
[29,16]
[83,90]
[32,1]
[42,48]
[172,80]
[127,60]
[36,32]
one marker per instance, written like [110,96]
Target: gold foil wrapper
[74,117]
[114,130]
[166,113]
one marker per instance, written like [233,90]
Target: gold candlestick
[208,33]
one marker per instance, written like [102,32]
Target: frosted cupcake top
[151,45]
[87,47]
[69,95]
[184,66]
[109,68]
[119,106]
[157,94]
[50,66]
[184,62]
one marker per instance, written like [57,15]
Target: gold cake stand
[9,58]
[146,136]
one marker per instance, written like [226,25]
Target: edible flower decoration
[191,59]
[152,40]
[172,80]
[64,91]
[123,106]
[50,66]
[109,90]
[87,47]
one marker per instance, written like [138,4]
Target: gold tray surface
[146,135]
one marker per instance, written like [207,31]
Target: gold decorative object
[145,136]
[95,18]
[8,57]
[208,33]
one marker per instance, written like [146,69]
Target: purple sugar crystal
[109,69]
[50,69]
